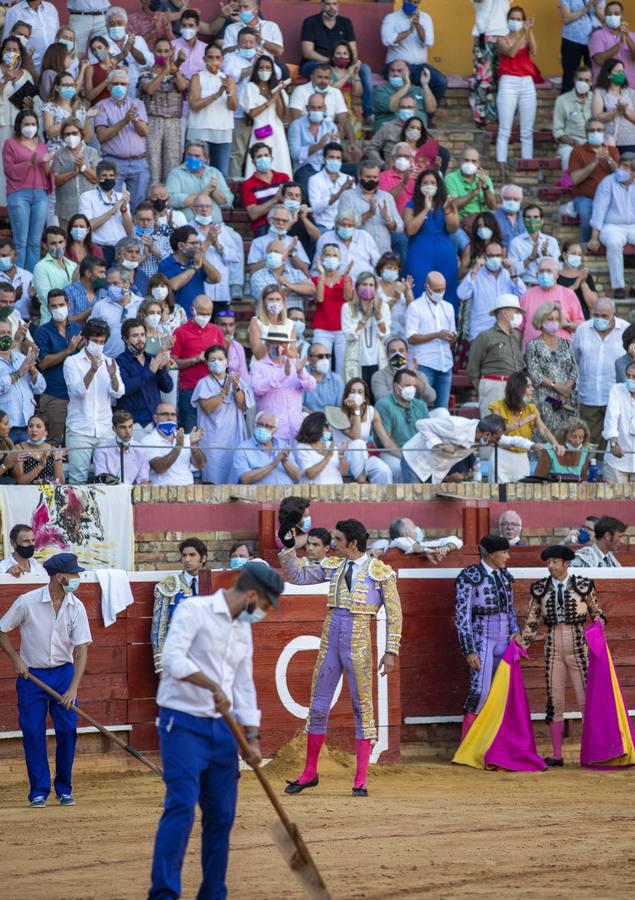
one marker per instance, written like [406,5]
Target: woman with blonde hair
[271,310]
[573,465]
[552,368]
[366,325]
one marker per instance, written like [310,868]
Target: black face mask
[397,361]
[159,204]
[369,184]
[107,184]
[26,552]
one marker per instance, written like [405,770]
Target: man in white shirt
[336,108]
[280,221]
[358,250]
[404,535]
[93,381]
[118,304]
[327,186]
[20,561]
[207,666]
[269,36]
[443,441]
[377,210]
[174,464]
[431,332]
[526,250]
[597,344]
[44,21]
[107,210]
[407,34]
[54,639]
[619,462]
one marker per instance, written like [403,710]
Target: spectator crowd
[379,264]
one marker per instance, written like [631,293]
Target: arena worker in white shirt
[431,332]
[619,430]
[207,671]
[174,464]
[54,639]
[20,561]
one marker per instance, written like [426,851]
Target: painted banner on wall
[92,521]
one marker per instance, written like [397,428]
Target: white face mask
[188,33]
[202,321]
[358,399]
[469,168]
[428,190]
[29,131]
[582,87]
[60,314]
[95,349]
[322,366]
[409,392]
[160,292]
[574,260]
[402,163]
[274,308]
[436,296]
[152,320]
[72,140]
[265,74]
[516,320]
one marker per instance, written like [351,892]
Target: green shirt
[400,421]
[49,274]
[383,94]
[570,116]
[458,186]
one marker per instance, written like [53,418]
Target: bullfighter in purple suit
[358,586]
[485,620]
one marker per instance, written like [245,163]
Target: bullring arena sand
[426,830]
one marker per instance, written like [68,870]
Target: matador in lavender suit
[358,586]
[485,620]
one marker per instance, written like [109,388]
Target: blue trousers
[584,208]
[33,706]
[27,210]
[135,175]
[200,765]
[219,156]
[187,413]
[441,382]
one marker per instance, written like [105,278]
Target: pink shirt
[281,394]
[389,179]
[600,42]
[19,171]
[562,296]
[193,56]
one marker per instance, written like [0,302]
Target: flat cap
[557,551]
[270,581]
[62,562]
[492,543]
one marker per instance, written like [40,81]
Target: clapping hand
[196,435]
[111,367]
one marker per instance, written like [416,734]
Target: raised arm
[294,573]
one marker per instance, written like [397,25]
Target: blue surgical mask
[263,163]
[115,292]
[167,429]
[493,263]
[247,52]
[5,263]
[117,32]
[122,442]
[291,205]
[622,176]
[203,220]
[118,91]
[327,436]
[395,81]
[67,92]
[390,275]
[237,562]
[515,25]
[141,229]
[595,138]
[306,523]
[67,43]
[246,15]
[405,114]
[573,449]
[35,442]
[72,586]
[252,617]
[299,326]
[333,165]
[345,233]
[193,163]
[274,259]
[262,435]
[546,279]
[630,384]
[510,206]
[316,116]
[600,324]
[331,263]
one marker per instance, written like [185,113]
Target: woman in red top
[333,291]
[27,169]
[517,79]
[96,77]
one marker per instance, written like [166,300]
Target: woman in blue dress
[429,219]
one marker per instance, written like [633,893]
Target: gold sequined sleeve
[394,618]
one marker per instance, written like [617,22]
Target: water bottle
[594,472]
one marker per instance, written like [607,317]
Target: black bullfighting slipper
[294,787]
[360,792]
[554,763]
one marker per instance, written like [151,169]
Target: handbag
[263,132]
[28,89]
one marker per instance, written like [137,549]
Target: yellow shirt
[500,408]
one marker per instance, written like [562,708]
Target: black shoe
[360,792]
[619,294]
[294,787]
[554,763]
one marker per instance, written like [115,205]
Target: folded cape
[502,734]
[607,732]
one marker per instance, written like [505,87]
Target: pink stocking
[362,750]
[468,720]
[313,746]
[557,732]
